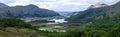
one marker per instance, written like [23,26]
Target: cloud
[59,5]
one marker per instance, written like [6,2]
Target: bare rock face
[97,6]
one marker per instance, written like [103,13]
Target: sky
[59,5]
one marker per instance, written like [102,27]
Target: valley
[97,20]
[52,23]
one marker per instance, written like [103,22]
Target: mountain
[101,13]
[26,11]
[3,5]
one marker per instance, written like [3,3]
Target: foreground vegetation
[12,27]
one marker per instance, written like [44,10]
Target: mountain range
[25,11]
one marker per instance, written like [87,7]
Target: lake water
[57,21]
[65,13]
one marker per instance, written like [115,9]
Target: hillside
[16,32]
[90,15]
[26,11]
[13,27]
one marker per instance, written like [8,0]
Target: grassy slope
[18,32]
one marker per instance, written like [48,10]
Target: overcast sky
[59,5]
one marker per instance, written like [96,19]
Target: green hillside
[89,15]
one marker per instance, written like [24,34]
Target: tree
[13,22]
[74,33]
[116,30]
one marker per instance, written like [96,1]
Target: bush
[13,22]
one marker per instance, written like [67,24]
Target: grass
[6,34]
[17,32]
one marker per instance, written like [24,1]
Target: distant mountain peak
[3,5]
[31,5]
[97,5]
